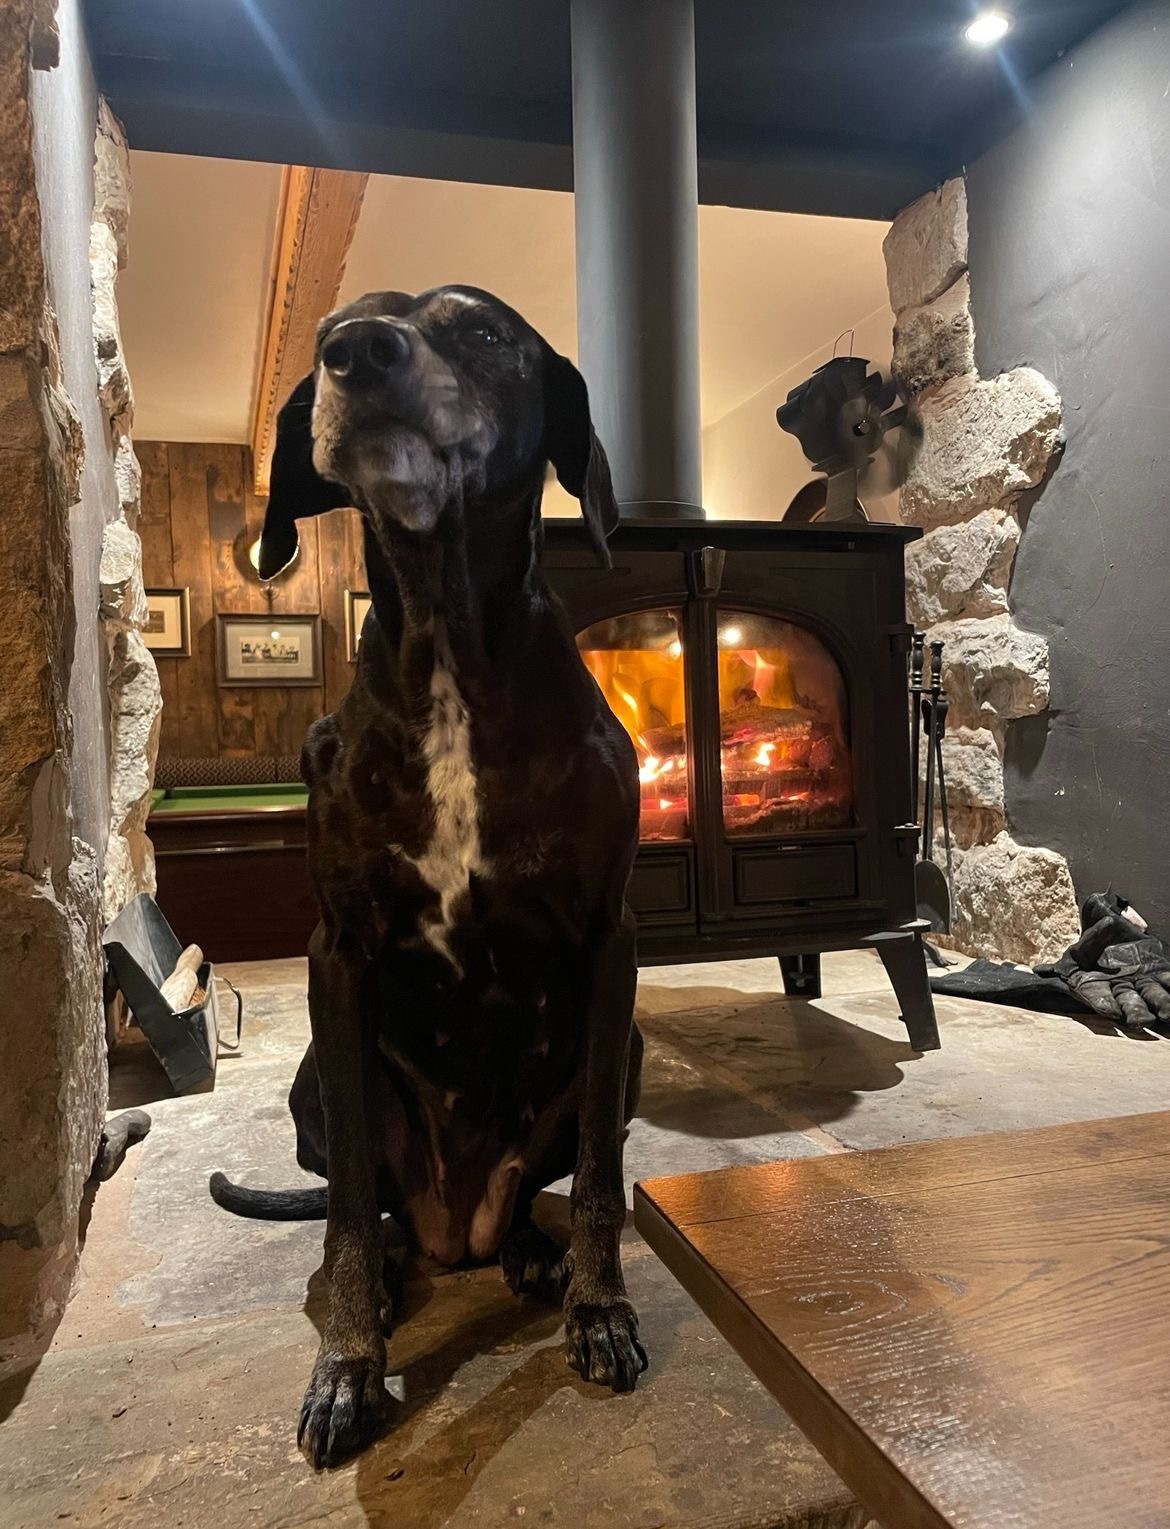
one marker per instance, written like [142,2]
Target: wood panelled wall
[196,501]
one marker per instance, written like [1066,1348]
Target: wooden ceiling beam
[315,225]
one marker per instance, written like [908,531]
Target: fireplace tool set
[933,890]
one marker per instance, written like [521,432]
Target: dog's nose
[365,350]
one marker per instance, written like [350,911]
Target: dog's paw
[345,1408]
[601,1343]
[533,1263]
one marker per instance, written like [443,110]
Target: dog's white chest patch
[453,855]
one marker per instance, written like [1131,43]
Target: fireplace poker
[943,706]
[929,712]
[933,894]
[916,656]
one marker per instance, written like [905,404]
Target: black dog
[473,816]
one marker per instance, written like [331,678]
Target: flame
[768,743]
[764,679]
[631,702]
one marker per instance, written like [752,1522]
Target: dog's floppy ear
[572,447]
[296,488]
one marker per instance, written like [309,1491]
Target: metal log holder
[142,948]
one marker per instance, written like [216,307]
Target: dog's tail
[269,1204]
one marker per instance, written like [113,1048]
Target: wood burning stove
[760,670]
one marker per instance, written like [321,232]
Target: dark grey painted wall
[1070,270]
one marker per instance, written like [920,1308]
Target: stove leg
[905,964]
[802,975]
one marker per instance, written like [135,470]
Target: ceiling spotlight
[988,28]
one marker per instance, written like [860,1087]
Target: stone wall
[1070,228]
[135,698]
[985,442]
[58,493]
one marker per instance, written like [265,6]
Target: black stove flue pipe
[635,175]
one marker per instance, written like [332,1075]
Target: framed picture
[357,605]
[168,624]
[269,650]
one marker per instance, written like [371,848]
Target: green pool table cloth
[260,798]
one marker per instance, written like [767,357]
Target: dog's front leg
[346,1403]
[601,1326]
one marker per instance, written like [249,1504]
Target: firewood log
[179,988]
[189,959]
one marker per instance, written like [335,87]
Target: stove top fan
[856,428]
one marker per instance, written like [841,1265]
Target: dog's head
[419,404]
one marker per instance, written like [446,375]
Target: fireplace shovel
[931,891]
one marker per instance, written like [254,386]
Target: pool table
[232,875]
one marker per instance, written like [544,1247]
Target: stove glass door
[637,659]
[784,728]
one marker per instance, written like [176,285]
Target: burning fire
[782,758]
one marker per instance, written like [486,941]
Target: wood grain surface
[197,508]
[974,1333]
[316,222]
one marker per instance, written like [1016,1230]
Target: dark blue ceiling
[842,106]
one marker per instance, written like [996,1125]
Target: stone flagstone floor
[170,1390]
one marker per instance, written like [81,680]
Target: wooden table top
[975,1333]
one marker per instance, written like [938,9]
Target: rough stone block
[128,477]
[973,773]
[34,723]
[22,271]
[113,379]
[136,702]
[961,570]
[111,178]
[21,425]
[123,598]
[1014,903]
[46,35]
[935,341]
[971,826]
[926,247]
[983,443]
[135,716]
[973,769]
[993,669]
[52,1062]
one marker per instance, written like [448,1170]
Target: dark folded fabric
[1116,970]
[1001,982]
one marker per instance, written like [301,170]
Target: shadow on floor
[755,1056]
[137,1078]
[400,1481]
[418,1474]
[22,1355]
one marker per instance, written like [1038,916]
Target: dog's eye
[487,336]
